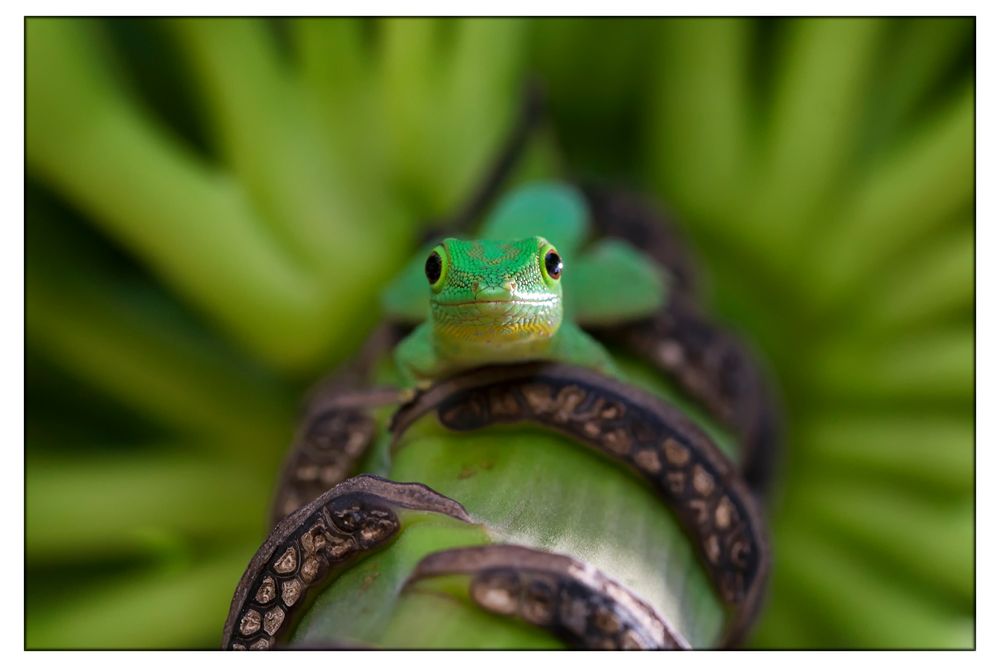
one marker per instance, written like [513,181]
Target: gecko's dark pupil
[432,268]
[553,264]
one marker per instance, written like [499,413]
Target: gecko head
[495,291]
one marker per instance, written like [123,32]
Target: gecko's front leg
[572,345]
[416,359]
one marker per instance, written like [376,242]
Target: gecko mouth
[519,301]
[497,321]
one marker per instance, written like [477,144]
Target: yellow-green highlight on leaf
[699,125]
[193,225]
[107,507]
[803,154]
[922,183]
[275,147]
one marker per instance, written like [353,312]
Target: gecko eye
[434,268]
[553,264]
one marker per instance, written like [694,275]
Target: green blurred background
[213,205]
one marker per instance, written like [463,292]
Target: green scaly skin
[494,301]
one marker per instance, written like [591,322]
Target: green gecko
[521,292]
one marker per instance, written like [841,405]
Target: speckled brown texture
[657,441]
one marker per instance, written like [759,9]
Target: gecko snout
[502,292]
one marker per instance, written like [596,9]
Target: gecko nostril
[511,286]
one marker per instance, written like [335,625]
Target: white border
[987,282]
